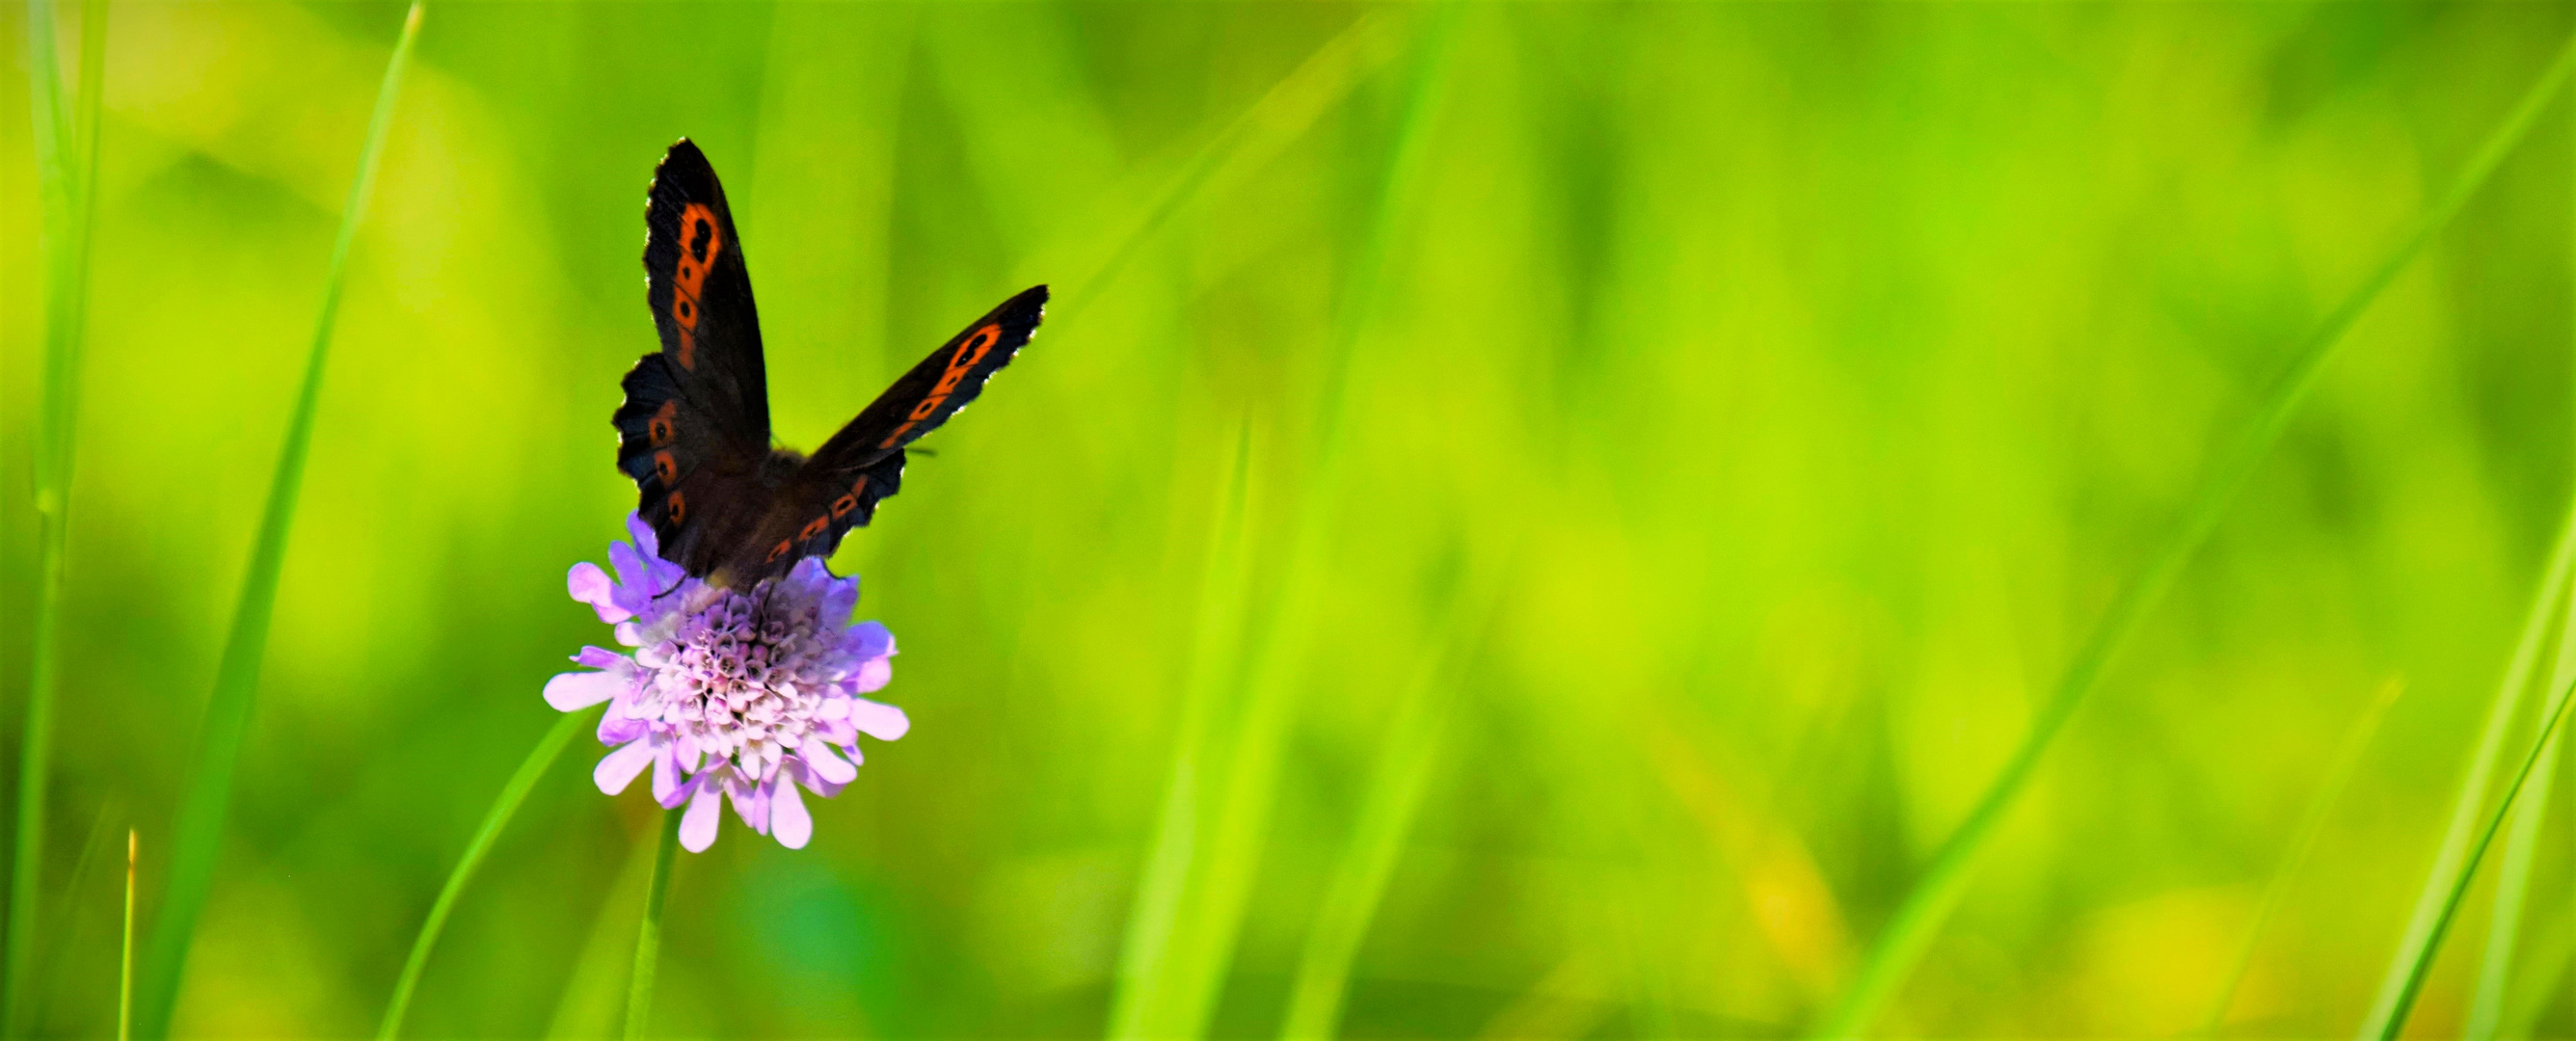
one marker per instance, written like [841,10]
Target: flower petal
[644,538]
[617,769]
[632,575]
[666,774]
[869,640]
[751,804]
[698,826]
[599,658]
[880,721]
[590,585]
[872,676]
[788,819]
[617,728]
[579,690]
[829,767]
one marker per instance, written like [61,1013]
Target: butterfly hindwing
[839,487]
[694,486]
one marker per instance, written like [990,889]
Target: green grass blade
[2513,889]
[66,215]
[198,834]
[1172,993]
[549,748]
[2487,1001]
[648,938]
[2421,967]
[2347,761]
[1910,931]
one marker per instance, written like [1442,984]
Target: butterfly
[694,429]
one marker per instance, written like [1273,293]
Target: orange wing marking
[700,243]
[969,354]
[842,506]
[666,468]
[660,427]
[679,509]
[814,527]
[778,551]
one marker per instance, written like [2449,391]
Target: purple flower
[743,695]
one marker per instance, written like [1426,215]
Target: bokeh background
[1726,419]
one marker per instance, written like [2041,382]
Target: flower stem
[549,748]
[648,941]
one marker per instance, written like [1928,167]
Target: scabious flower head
[738,694]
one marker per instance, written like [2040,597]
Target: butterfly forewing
[694,429]
[840,486]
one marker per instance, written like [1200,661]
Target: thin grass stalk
[543,756]
[198,834]
[2487,1000]
[1177,992]
[648,938]
[2513,890]
[2422,967]
[2346,763]
[1910,931]
[67,214]
[125,943]
[1414,739]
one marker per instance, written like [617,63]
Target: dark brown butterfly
[694,430]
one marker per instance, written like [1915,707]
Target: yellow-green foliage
[1701,457]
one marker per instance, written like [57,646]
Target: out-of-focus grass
[1822,370]
[1927,907]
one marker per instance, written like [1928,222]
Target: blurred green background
[1744,412]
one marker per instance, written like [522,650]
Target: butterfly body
[694,429]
